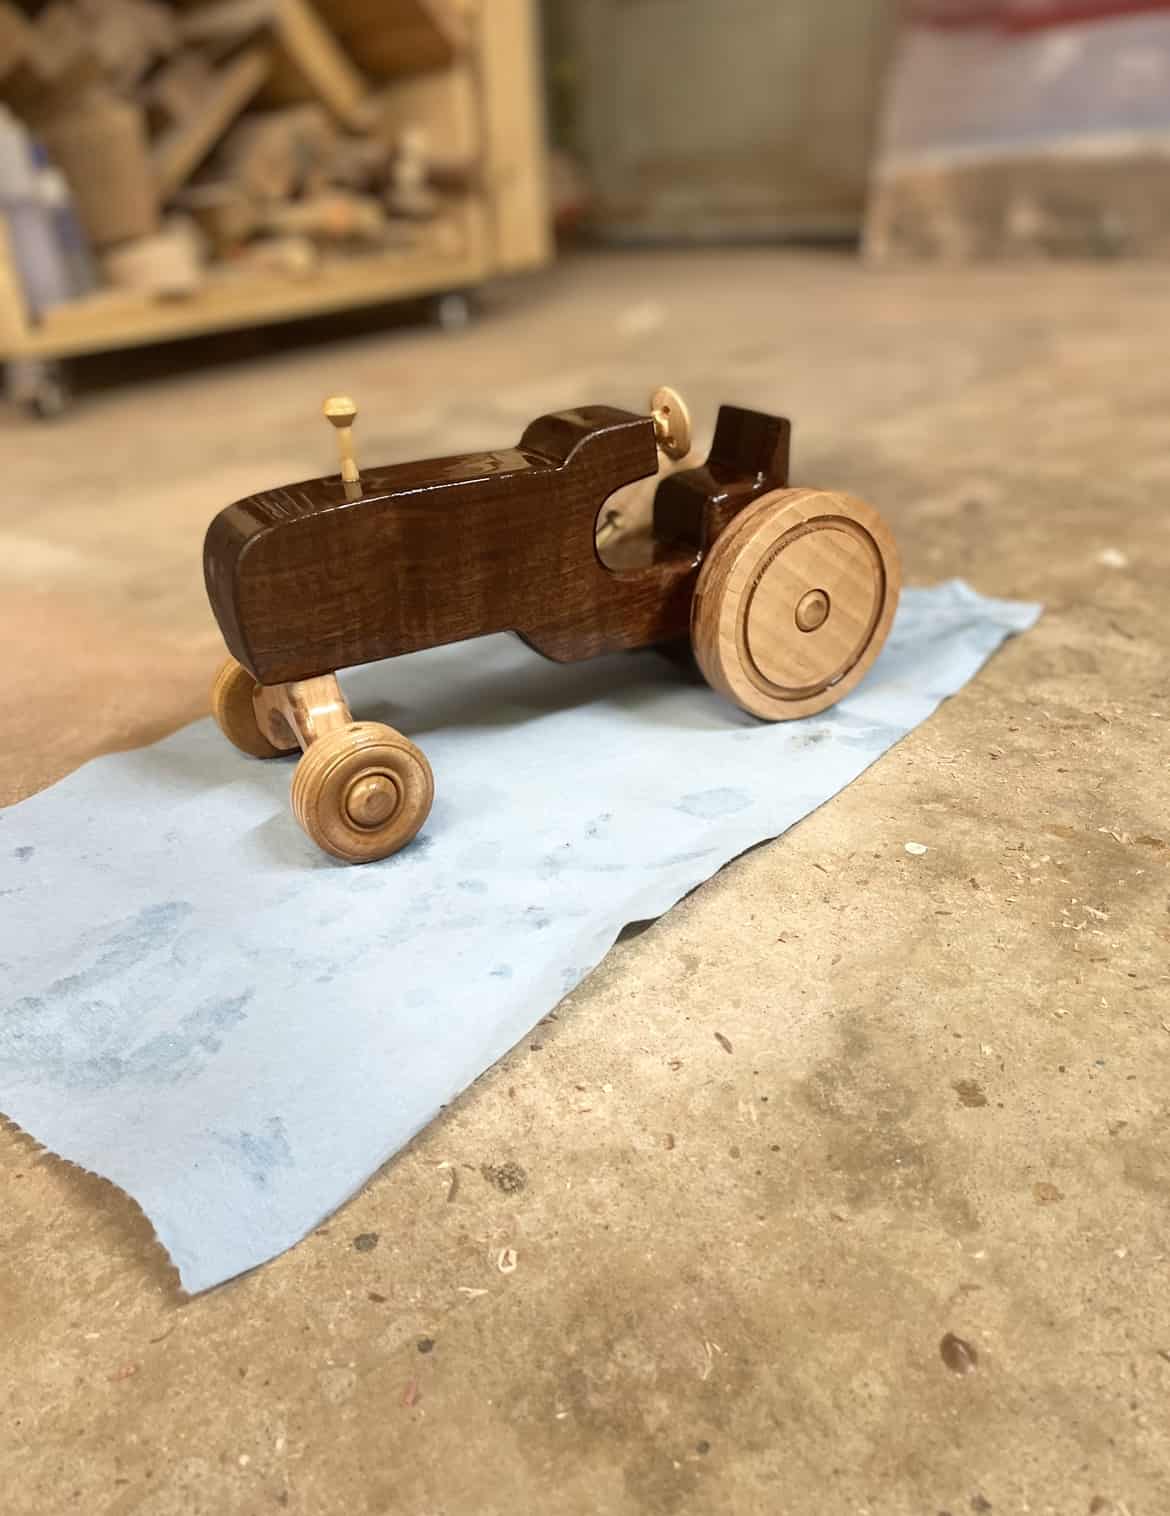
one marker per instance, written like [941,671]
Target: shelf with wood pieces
[412,170]
[785,595]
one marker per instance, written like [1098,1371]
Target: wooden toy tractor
[785,594]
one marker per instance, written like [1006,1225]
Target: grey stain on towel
[259,1153]
[165,1058]
[127,945]
[708,804]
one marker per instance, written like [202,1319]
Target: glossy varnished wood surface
[749,456]
[304,580]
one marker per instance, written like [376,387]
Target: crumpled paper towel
[239,1031]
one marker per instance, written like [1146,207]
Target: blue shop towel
[204,1008]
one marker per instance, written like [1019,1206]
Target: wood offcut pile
[253,133]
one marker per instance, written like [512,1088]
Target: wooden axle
[292,715]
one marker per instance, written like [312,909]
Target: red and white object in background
[978,81]
[1024,15]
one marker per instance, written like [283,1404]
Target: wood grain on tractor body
[748,457]
[786,595]
[304,580]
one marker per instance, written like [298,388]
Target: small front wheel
[362,791]
[235,713]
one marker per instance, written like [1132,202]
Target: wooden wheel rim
[794,601]
[235,714]
[362,791]
[755,582]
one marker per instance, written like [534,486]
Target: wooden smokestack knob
[342,413]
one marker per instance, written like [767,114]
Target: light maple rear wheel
[794,601]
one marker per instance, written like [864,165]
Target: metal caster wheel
[41,388]
[452,311]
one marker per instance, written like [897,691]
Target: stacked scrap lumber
[267,132]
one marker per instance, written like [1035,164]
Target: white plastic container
[47,244]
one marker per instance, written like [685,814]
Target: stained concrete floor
[944,1108]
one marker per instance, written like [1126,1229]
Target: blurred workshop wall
[1023,128]
[691,120]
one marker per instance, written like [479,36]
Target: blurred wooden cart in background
[230,163]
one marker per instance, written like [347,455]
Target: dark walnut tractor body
[785,594]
